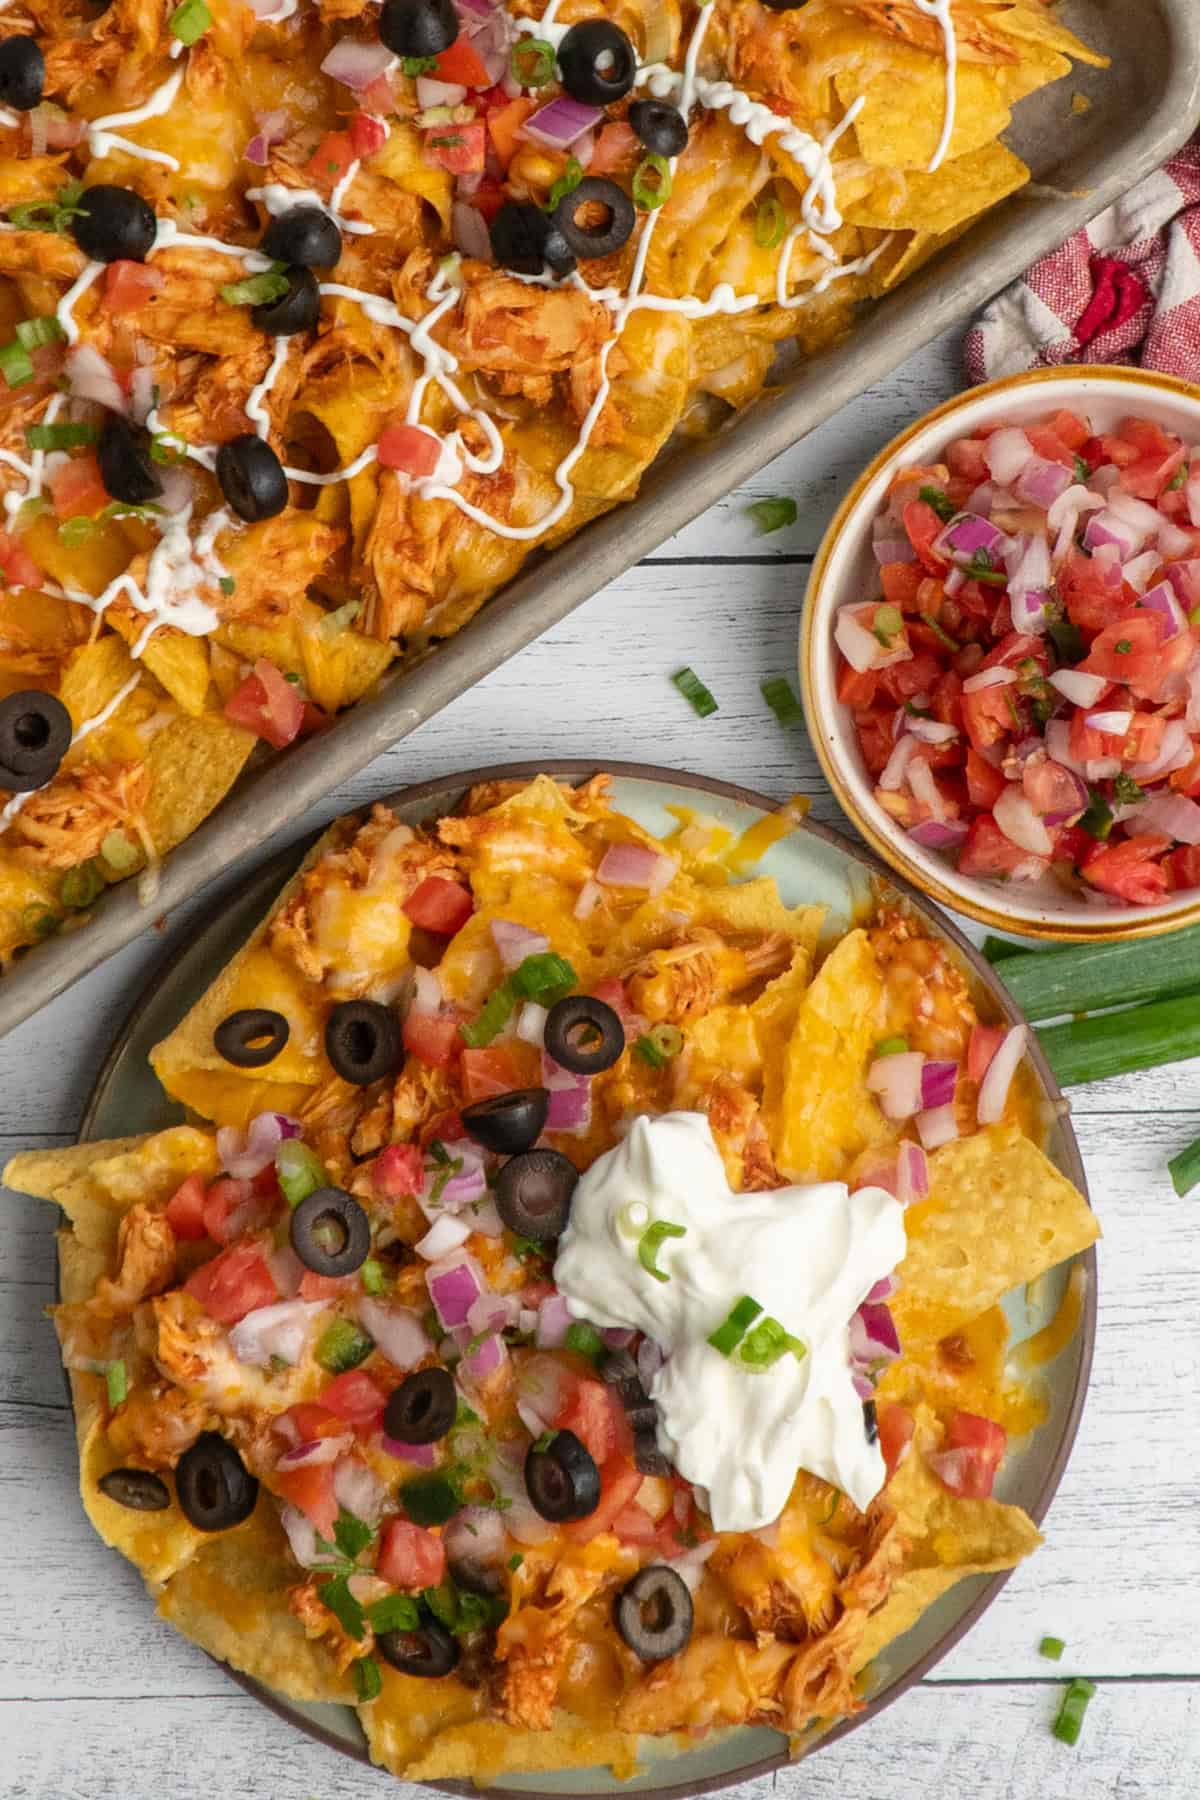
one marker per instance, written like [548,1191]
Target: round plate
[812,864]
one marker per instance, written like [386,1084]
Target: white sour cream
[808,1255]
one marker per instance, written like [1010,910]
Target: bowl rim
[576,769]
[965,894]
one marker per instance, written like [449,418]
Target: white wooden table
[99,1701]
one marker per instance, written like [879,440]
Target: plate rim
[576,769]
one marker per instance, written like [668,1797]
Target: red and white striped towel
[1125,290]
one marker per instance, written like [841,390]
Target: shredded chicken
[66,823]
[145,1262]
[687,978]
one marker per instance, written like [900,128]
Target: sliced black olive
[429,1650]
[22,73]
[533,1193]
[35,734]
[784,5]
[214,1486]
[422,1409]
[114,224]
[252,478]
[647,1457]
[476,1576]
[592,240]
[618,1370]
[331,1233]
[297,310]
[597,62]
[507,1123]
[562,1481]
[252,1037]
[583,1034]
[305,235]
[363,1041]
[125,467]
[137,1489]
[526,240]
[654,1613]
[870,1421]
[660,126]
[418,27]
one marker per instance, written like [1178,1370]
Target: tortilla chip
[178,661]
[159,1544]
[829,1116]
[998,1214]
[193,763]
[955,193]
[96,1183]
[1034,25]
[900,124]
[425,1733]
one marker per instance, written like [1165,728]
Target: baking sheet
[1141,109]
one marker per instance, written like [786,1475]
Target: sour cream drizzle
[941,11]
[102,139]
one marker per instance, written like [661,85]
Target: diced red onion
[1185,579]
[1030,608]
[860,647]
[929,731]
[570,1109]
[484,1218]
[590,896]
[178,490]
[427,991]
[892,778]
[1142,518]
[562,121]
[636,866]
[505,1469]
[1193,705]
[516,942]
[280,1330]
[689,1564]
[966,535]
[1139,570]
[397,1331]
[1173,542]
[142,388]
[1077,686]
[359,1489]
[1175,752]
[439,93]
[616,1337]
[1105,528]
[531,1024]
[463,1189]
[468,228]
[287,1271]
[1057,794]
[1041,482]
[939,834]
[245,1157]
[894,550]
[993,1090]
[884,1288]
[316,1450]
[955,582]
[862,1387]
[925,789]
[1161,600]
[475,1535]
[938,1082]
[91,377]
[272,129]
[446,1233]
[454,1286]
[301,1535]
[1028,563]
[873,1334]
[1007,452]
[356,63]
[422,1456]
[1020,824]
[896,1081]
[1114,723]
[938,1126]
[488,1356]
[554,1318]
[492,1312]
[912,1174]
[1175,814]
[998,675]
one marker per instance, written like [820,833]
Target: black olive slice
[137,1489]
[423,1408]
[125,467]
[648,1459]
[252,478]
[660,126]
[583,1034]
[784,5]
[113,224]
[363,1041]
[533,1193]
[593,240]
[527,240]
[476,1576]
[618,1370]
[22,73]
[508,1123]
[418,27]
[331,1233]
[428,1651]
[870,1421]
[297,310]
[597,62]
[35,735]
[305,235]
[562,1480]
[214,1486]
[251,1037]
[654,1613]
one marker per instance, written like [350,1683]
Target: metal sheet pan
[1141,109]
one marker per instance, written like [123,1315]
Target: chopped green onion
[119,853]
[256,290]
[412,66]
[15,365]
[429,1499]
[782,701]
[763,1346]
[891,1046]
[368,1682]
[80,886]
[49,215]
[1194,616]
[34,333]
[585,1339]
[546,977]
[1090,1049]
[532,62]
[331,627]
[649,1242]
[1083,471]
[1052,1648]
[1126,790]
[29,510]
[342,1346]
[941,503]
[888,623]
[735,1325]
[980,569]
[60,437]
[447,1166]
[943,636]
[515,1561]
[1177,480]
[648,1050]
[1069,1722]
[228,585]
[117,1382]
[497,1011]
[694,692]
[190,21]
[299,1172]
[773,513]
[658,1045]
[652,181]
[770,223]
[1185,1169]
[168,448]
[566,184]
[372,1275]
[1097,821]
[77,531]
[395,1612]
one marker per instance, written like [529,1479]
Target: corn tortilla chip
[829,1115]
[939,202]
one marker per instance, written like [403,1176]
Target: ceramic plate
[813,864]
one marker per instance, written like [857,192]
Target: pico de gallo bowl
[1009,688]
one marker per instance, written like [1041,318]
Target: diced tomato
[1143,740]
[398,1170]
[1084,742]
[916,675]
[984,784]
[619,1483]
[1092,603]
[440,905]
[896,1427]
[379,96]
[1073,430]
[355,1398]
[1047,443]
[460,149]
[633,1525]
[488,198]
[1072,844]
[324,1287]
[267,704]
[410,448]
[1017,647]
[409,1556]
[231,1208]
[367,134]
[487,1072]
[924,528]
[984,1042]
[1129,650]
[462,64]
[312,1420]
[1117,450]
[988,715]
[1146,478]
[444,1128]
[588,1411]
[76,487]
[966,457]
[16,565]
[310,1490]
[185,1209]
[613,992]
[986,850]
[945,698]
[1187,780]
[503,124]
[1174,658]
[1182,868]
[333,156]
[616,148]
[1051,789]
[901,584]
[973,1451]
[128,285]
[856,687]
[875,739]
[233,1284]
[433,1038]
[314,720]
[1148,437]
[1129,870]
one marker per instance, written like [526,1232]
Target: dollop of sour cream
[808,1255]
